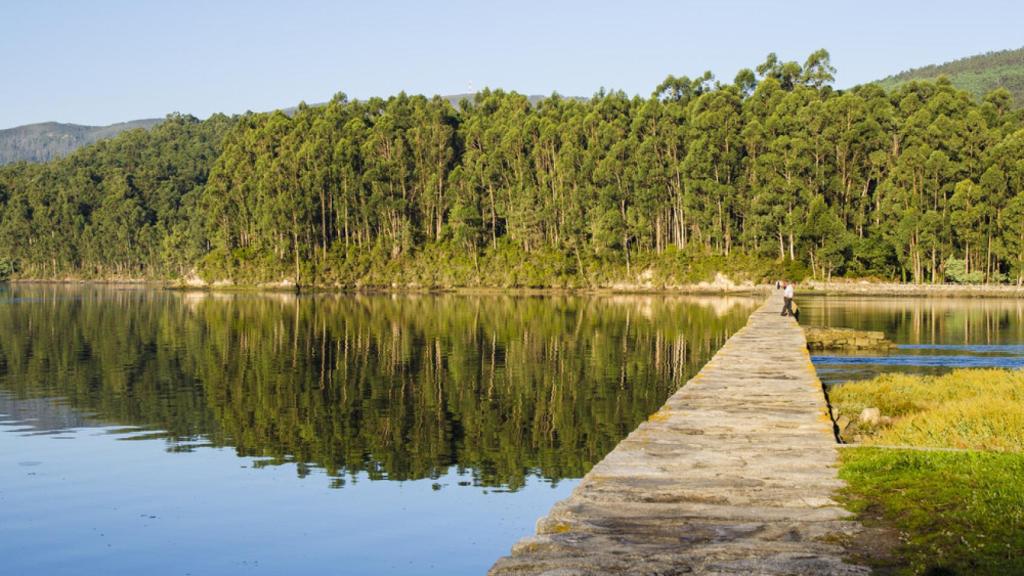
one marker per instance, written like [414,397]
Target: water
[156,432]
[933,335]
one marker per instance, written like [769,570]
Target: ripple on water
[936,361]
[973,348]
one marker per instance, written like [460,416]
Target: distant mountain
[49,140]
[975,74]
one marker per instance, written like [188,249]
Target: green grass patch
[955,512]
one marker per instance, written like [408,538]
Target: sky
[102,61]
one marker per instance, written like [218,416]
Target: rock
[843,422]
[193,281]
[870,416]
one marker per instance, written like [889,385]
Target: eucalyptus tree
[776,166]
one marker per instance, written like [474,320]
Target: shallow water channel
[159,432]
[933,335]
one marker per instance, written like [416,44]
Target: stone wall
[821,338]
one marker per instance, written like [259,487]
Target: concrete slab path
[734,475]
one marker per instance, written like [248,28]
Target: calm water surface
[933,335]
[147,431]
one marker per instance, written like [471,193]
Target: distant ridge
[49,140]
[977,75]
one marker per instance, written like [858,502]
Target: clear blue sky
[103,61]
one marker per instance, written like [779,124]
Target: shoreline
[866,288]
[809,288]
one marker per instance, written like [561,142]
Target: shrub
[956,271]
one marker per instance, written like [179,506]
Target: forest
[776,173]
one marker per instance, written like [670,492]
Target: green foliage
[120,208]
[956,272]
[777,172]
[7,268]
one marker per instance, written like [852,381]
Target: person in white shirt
[787,298]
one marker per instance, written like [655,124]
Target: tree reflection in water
[399,387]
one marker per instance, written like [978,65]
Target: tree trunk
[934,268]
[967,258]
[988,260]
[494,217]
[295,247]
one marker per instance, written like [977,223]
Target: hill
[49,140]
[977,75]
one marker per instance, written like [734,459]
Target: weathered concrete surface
[734,475]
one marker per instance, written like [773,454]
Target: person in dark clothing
[787,298]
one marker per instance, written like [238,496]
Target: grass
[968,409]
[953,512]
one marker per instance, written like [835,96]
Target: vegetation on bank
[7,269]
[774,172]
[967,408]
[955,512]
[508,266]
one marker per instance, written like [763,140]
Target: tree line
[774,173]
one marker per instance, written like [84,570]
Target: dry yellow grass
[969,408]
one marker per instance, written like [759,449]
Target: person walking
[787,299]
